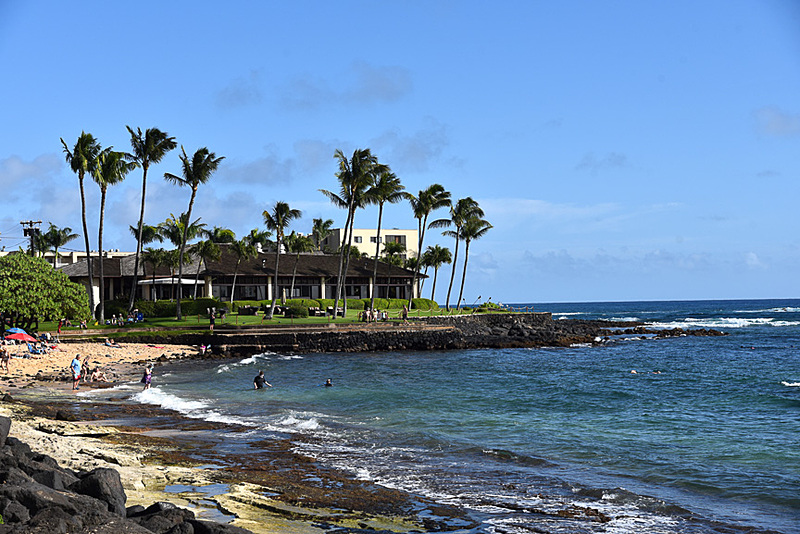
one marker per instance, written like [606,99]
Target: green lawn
[236,319]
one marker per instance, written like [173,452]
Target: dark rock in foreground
[37,496]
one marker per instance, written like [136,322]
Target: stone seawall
[494,330]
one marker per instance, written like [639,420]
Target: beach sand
[119,364]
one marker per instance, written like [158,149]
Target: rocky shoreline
[492,330]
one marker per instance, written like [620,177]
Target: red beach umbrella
[22,336]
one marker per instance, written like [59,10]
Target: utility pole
[31,229]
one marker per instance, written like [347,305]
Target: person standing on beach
[148,376]
[75,366]
[405,314]
[259,381]
[85,368]
[211,319]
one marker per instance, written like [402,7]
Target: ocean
[683,435]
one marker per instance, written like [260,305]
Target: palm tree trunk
[347,263]
[435,274]
[196,278]
[180,254]
[452,274]
[233,287]
[138,242]
[375,265]
[275,282]
[88,250]
[464,274]
[101,304]
[294,274]
[153,289]
[341,264]
[423,223]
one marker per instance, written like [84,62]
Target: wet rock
[103,484]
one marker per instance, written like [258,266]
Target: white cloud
[413,152]
[775,122]
[240,92]
[752,261]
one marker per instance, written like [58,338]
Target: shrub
[424,304]
[380,304]
[325,303]
[396,304]
[308,303]
[296,310]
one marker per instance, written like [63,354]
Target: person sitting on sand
[259,381]
[112,343]
[99,376]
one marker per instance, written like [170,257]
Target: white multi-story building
[365,239]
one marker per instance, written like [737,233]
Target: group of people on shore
[371,316]
[80,371]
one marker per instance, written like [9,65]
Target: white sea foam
[723,322]
[791,384]
[291,357]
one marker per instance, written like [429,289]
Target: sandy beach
[52,369]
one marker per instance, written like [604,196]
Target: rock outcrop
[37,496]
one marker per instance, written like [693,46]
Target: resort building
[365,240]
[314,274]
[66,257]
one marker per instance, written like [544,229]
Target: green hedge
[424,304]
[296,310]
[307,303]
[168,308]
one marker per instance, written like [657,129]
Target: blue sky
[622,150]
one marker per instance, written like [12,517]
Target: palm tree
[81,160]
[392,251]
[147,148]
[204,250]
[155,257]
[278,220]
[56,238]
[172,259]
[111,168]
[298,243]
[243,250]
[149,233]
[320,231]
[386,187]
[463,210]
[258,238]
[196,171]
[435,257]
[472,229]
[174,229]
[355,176]
[221,235]
[429,200]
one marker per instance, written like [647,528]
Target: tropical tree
[472,229]
[195,171]
[321,230]
[30,290]
[173,260]
[258,238]
[243,250]
[278,221]
[462,211]
[355,176]
[221,235]
[206,250]
[56,238]
[386,187]
[81,160]
[429,200]
[174,229]
[147,148]
[149,234]
[110,169]
[392,251]
[435,257]
[156,257]
[298,244]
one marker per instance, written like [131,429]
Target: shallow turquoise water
[705,433]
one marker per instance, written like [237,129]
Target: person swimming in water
[328,383]
[259,381]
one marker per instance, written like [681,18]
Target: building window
[375,239]
[357,238]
